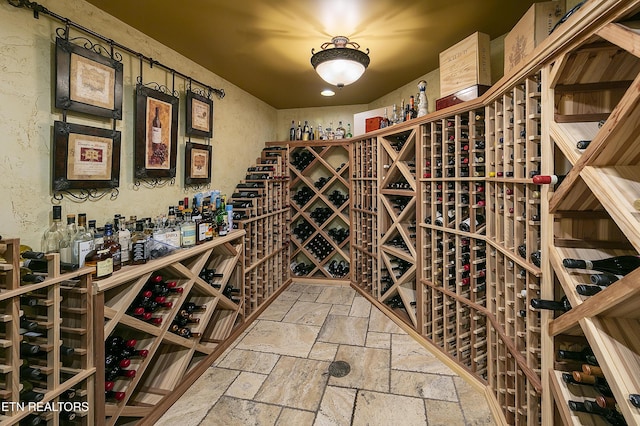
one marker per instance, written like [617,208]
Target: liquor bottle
[306,131]
[111,243]
[619,265]
[123,237]
[348,134]
[221,218]
[101,259]
[82,241]
[204,225]
[385,120]
[66,244]
[172,231]
[188,231]
[139,245]
[561,305]
[292,131]
[98,236]
[340,131]
[299,132]
[54,234]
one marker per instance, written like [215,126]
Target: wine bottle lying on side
[618,265]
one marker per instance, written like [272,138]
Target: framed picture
[87,82]
[197,160]
[85,157]
[199,115]
[156,133]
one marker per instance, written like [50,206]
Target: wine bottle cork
[579,376]
[592,370]
[636,204]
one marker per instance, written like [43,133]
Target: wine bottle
[634,399]
[292,131]
[619,265]
[82,242]
[548,179]
[603,279]
[113,396]
[561,305]
[28,394]
[582,144]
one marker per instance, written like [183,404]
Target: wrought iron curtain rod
[38,9]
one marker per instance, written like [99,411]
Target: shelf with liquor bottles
[364,214]
[595,151]
[46,343]
[169,316]
[261,208]
[320,186]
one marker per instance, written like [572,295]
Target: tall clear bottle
[188,230]
[124,239]
[82,241]
[340,131]
[172,231]
[55,234]
[66,244]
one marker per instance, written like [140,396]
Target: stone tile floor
[276,372]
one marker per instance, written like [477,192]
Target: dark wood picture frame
[197,160]
[155,150]
[85,157]
[87,82]
[199,115]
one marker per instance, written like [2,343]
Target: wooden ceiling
[264,46]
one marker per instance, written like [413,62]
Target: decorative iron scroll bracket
[82,195]
[39,9]
[152,183]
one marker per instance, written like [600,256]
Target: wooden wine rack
[267,239]
[592,210]
[173,362]
[62,307]
[325,172]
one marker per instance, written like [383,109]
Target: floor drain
[339,368]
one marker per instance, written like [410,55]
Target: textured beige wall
[242,123]
[315,116]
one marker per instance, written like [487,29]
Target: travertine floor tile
[474,404]
[293,417]
[374,408]
[308,297]
[381,323]
[344,330]
[308,313]
[323,351]
[277,310]
[280,338]
[378,340]
[409,355]
[360,307]
[233,411]
[369,368]
[255,362]
[338,295]
[196,403]
[444,413]
[246,385]
[340,310]
[336,407]
[421,385]
[296,383]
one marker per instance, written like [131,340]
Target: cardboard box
[372,124]
[461,96]
[466,64]
[531,29]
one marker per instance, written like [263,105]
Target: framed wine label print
[156,133]
[197,164]
[199,115]
[85,157]
[87,81]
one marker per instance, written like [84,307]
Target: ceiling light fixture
[340,65]
[327,92]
